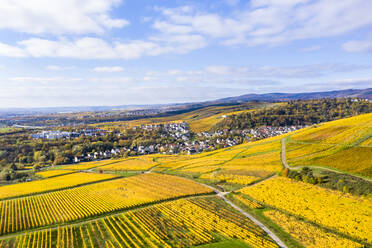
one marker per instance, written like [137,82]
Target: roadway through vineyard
[257,222]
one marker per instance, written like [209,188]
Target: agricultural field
[8,129]
[89,165]
[234,177]
[342,145]
[346,131]
[343,213]
[307,234]
[181,223]
[91,200]
[165,203]
[53,173]
[51,184]
[239,165]
[247,202]
[141,163]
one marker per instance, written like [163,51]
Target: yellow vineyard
[53,173]
[49,184]
[242,164]
[181,223]
[89,165]
[248,202]
[345,213]
[81,202]
[309,235]
[134,164]
[88,205]
[342,144]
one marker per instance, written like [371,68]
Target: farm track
[257,222]
[333,170]
[283,155]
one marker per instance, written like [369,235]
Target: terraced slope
[91,200]
[234,166]
[181,223]
[142,211]
[51,184]
[342,144]
[341,213]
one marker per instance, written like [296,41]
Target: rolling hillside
[199,120]
[342,145]
[240,196]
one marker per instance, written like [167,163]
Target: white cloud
[59,17]
[357,46]
[217,69]
[243,72]
[353,81]
[112,80]
[311,49]
[59,68]
[270,22]
[43,79]
[178,85]
[11,51]
[96,48]
[108,69]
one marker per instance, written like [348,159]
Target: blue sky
[114,52]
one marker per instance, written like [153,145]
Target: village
[56,134]
[187,142]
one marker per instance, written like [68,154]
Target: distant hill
[175,108]
[270,97]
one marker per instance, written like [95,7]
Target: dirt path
[150,170]
[332,170]
[257,222]
[283,156]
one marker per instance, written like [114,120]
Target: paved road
[284,159]
[262,226]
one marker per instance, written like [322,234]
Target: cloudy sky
[114,52]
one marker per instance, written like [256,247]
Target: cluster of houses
[55,134]
[267,131]
[205,142]
[249,134]
[178,130]
[98,155]
[189,147]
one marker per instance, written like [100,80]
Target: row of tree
[297,113]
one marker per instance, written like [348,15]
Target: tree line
[296,113]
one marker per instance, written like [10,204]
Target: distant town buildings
[55,134]
[178,137]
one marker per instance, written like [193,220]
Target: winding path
[283,156]
[257,222]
